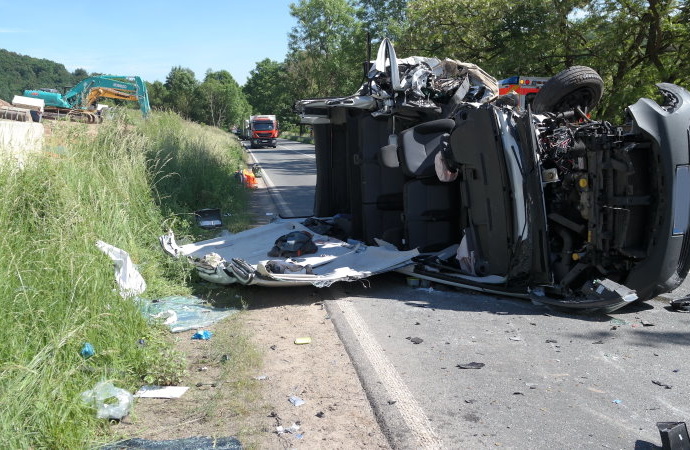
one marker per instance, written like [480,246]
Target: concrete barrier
[18,139]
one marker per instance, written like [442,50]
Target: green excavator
[80,102]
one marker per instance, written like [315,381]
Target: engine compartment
[601,194]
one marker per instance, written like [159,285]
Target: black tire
[575,86]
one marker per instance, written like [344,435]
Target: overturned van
[427,170]
[543,203]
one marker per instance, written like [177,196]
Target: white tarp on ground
[333,261]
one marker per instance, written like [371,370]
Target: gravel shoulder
[242,379]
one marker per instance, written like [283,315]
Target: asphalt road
[289,171]
[546,379]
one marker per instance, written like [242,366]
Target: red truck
[263,131]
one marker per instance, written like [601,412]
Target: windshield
[263,126]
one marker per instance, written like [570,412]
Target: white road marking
[296,151]
[413,415]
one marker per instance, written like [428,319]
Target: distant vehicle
[244,131]
[525,87]
[263,131]
[80,102]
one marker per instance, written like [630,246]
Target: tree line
[633,44]
[20,72]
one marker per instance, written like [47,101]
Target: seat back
[419,145]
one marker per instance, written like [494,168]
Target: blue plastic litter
[87,351]
[191,312]
[204,335]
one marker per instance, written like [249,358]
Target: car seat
[430,208]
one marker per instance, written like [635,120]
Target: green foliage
[180,88]
[19,72]
[265,91]
[220,101]
[327,49]
[632,44]
[57,288]
[383,18]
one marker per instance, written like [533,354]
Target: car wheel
[576,86]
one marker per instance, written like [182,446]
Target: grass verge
[122,182]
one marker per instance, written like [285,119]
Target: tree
[382,18]
[181,86]
[221,102]
[504,37]
[266,91]
[158,94]
[637,43]
[327,48]
[80,74]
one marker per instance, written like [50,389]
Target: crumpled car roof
[414,83]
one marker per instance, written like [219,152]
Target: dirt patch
[249,397]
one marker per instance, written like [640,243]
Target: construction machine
[80,102]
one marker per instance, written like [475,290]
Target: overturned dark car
[541,203]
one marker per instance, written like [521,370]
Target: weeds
[123,184]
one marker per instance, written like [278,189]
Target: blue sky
[148,38]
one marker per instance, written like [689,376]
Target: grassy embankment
[124,184]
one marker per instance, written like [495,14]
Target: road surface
[289,172]
[545,379]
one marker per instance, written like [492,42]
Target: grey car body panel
[668,260]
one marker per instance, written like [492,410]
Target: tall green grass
[123,184]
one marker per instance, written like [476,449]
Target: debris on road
[296,401]
[681,304]
[415,340]
[294,428]
[302,340]
[216,443]
[674,435]
[472,365]
[659,383]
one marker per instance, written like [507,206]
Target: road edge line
[277,198]
[412,414]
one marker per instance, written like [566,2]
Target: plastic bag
[101,397]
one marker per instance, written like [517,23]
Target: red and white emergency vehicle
[525,87]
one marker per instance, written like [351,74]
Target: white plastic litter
[152,391]
[128,278]
[99,396]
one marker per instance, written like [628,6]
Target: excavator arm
[85,94]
